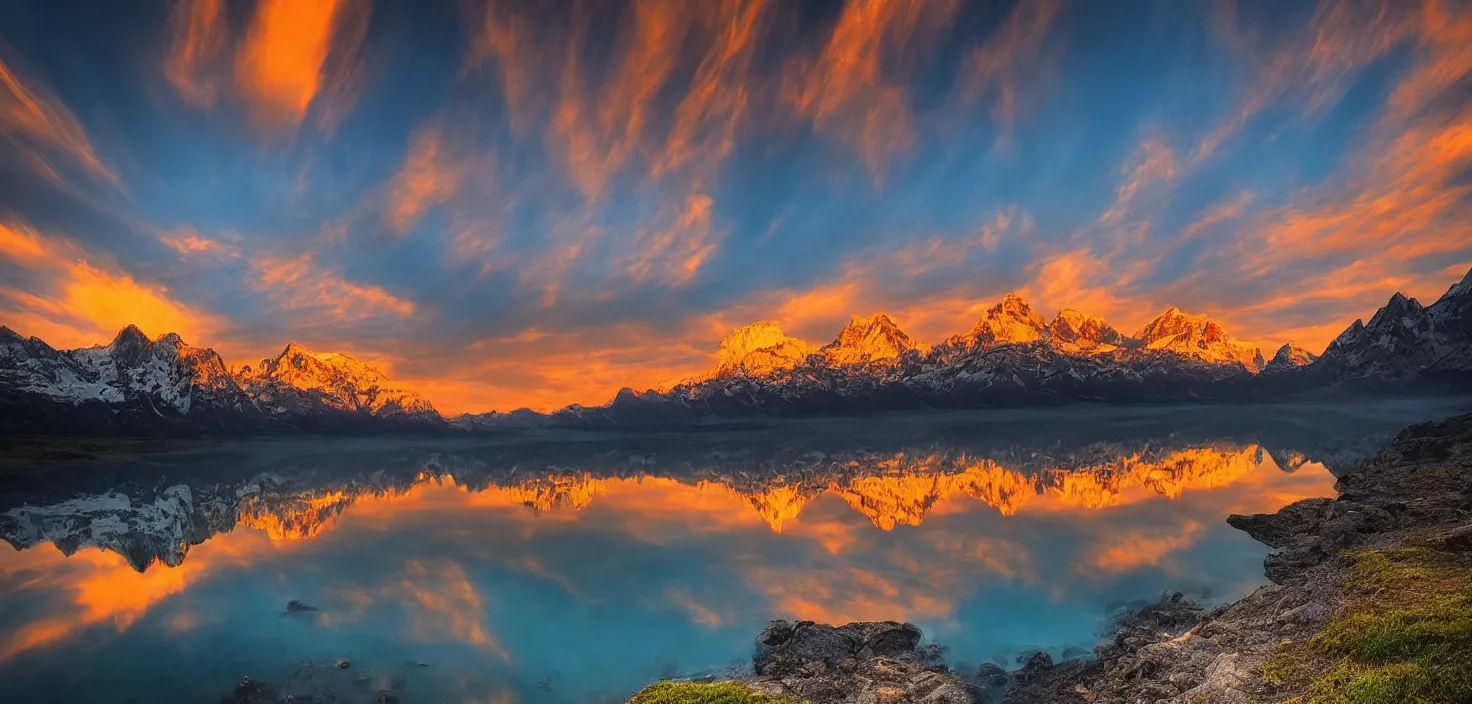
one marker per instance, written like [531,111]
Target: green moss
[667,692]
[1406,635]
[1290,664]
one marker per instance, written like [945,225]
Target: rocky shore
[1370,601]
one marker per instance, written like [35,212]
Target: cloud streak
[39,127]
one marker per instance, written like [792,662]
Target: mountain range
[1011,356]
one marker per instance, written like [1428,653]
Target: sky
[506,204]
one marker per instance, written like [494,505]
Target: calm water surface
[576,567]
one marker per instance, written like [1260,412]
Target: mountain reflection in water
[555,570]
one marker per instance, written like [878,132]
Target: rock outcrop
[870,662]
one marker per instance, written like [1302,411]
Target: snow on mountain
[1404,339]
[165,370]
[299,381]
[519,419]
[1290,356]
[1197,337]
[131,384]
[1452,313]
[1072,331]
[29,365]
[869,339]
[1399,339]
[1010,321]
[759,349]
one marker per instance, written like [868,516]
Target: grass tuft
[1406,635]
[667,692]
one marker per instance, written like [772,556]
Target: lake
[574,567]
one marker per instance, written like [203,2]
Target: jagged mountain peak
[871,320]
[1173,322]
[129,338]
[1013,304]
[1460,288]
[301,365]
[1399,306]
[1197,337]
[8,335]
[1009,321]
[1290,356]
[1073,330]
[758,349]
[869,338]
[300,381]
[294,348]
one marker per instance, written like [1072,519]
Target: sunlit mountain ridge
[1011,356]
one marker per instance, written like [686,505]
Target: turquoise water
[577,567]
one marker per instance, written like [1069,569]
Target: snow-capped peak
[129,340]
[1197,337]
[300,380]
[759,349]
[1075,331]
[1010,321]
[1290,355]
[871,338]
[1459,289]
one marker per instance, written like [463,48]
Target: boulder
[878,662]
[786,647]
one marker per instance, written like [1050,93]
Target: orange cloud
[39,125]
[1152,161]
[430,176]
[300,284]
[1006,65]
[597,136]
[609,120]
[852,89]
[74,298]
[674,253]
[1080,280]
[281,65]
[198,33]
[190,245]
[705,121]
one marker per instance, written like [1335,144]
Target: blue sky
[534,203]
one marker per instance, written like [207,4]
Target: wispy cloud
[198,32]
[430,176]
[1007,67]
[856,88]
[300,285]
[282,64]
[39,126]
